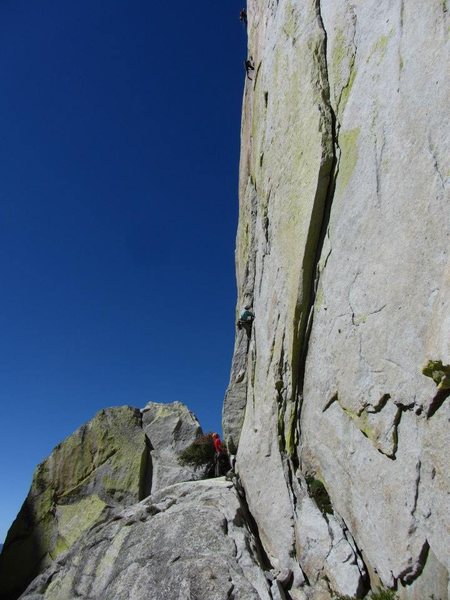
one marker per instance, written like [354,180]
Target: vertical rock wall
[343,248]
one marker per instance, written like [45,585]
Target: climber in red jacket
[218,448]
[217,443]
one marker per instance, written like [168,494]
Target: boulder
[101,465]
[170,429]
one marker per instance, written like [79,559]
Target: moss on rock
[98,465]
[348,143]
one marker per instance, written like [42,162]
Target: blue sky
[119,124]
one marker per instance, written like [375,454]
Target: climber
[218,448]
[246,318]
[243,16]
[248,67]
[217,443]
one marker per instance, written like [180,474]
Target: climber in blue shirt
[246,318]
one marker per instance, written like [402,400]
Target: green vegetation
[381,594]
[319,494]
[384,595]
[438,372]
[201,453]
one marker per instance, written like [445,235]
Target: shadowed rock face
[342,247]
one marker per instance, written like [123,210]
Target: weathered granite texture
[236,396]
[99,465]
[338,399]
[187,541]
[170,429]
[115,460]
[342,247]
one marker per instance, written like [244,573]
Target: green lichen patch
[383,437]
[74,519]
[291,23]
[380,594]
[97,465]
[347,89]
[339,52]
[378,50]
[438,372]
[291,436]
[362,422]
[348,143]
[343,68]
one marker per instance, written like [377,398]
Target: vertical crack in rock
[146,467]
[247,517]
[316,238]
[413,571]
[146,471]
[416,491]
[364,584]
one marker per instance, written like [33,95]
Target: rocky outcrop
[170,429]
[100,465]
[342,247]
[190,540]
[115,460]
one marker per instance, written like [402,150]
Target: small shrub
[319,494]
[200,453]
[383,595]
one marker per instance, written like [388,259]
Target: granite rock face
[100,465]
[338,404]
[187,541]
[170,429]
[342,248]
[115,460]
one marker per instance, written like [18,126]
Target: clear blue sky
[119,150]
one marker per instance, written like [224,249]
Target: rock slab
[188,541]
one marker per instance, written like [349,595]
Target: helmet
[247,306]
